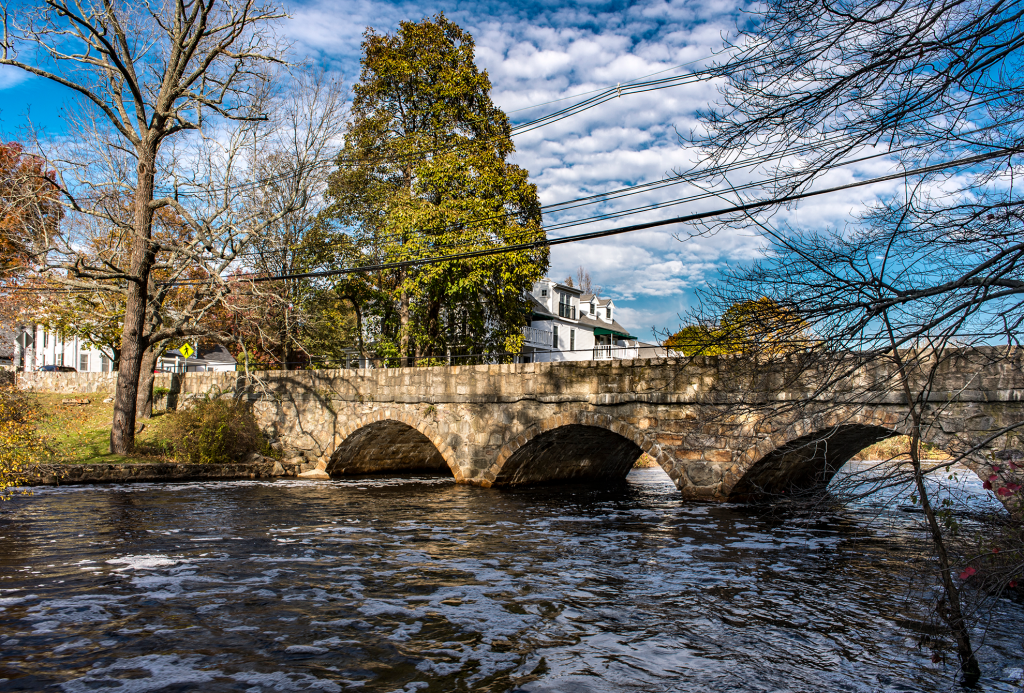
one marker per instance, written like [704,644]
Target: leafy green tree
[424,173]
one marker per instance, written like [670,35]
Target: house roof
[653,351]
[566,287]
[612,327]
[587,298]
[539,308]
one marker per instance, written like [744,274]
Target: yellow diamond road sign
[186,351]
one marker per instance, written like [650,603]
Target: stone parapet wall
[104,383]
[696,380]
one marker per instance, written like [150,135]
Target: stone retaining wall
[66,474]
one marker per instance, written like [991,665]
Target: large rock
[314,474]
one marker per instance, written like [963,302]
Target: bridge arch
[808,453]
[578,445]
[390,442]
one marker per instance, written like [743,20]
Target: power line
[532,245]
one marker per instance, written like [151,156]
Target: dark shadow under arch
[386,447]
[807,462]
[574,452]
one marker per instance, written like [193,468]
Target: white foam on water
[288,681]
[306,649]
[164,671]
[143,562]
[81,642]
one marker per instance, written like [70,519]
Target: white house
[33,347]
[29,348]
[567,325]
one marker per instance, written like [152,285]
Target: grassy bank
[80,433]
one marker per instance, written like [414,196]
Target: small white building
[212,358]
[30,348]
[567,325]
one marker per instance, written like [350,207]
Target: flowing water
[418,584]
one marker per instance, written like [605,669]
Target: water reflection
[420,584]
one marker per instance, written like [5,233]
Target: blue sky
[537,52]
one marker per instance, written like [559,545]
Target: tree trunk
[951,609]
[433,327]
[403,329]
[144,401]
[133,341]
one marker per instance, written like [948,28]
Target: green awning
[598,331]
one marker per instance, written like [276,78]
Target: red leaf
[1004,491]
[995,468]
[988,485]
[968,572]
[993,477]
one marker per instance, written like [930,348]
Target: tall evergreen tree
[424,173]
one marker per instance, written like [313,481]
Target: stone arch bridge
[721,427]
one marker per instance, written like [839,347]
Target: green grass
[80,433]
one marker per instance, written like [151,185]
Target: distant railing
[609,351]
[535,335]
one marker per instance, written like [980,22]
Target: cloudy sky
[537,53]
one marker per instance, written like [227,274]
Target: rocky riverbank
[263,468]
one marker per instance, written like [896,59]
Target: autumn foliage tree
[29,210]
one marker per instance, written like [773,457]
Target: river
[419,584]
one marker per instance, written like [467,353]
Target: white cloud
[11,76]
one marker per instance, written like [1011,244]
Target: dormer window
[591,308]
[608,312]
[544,292]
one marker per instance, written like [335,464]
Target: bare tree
[916,282]
[584,283]
[177,103]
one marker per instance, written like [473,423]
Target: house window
[104,364]
[608,312]
[562,312]
[591,308]
[46,339]
[60,359]
[554,337]
[44,359]
[543,292]
[572,340]
[574,311]
[83,362]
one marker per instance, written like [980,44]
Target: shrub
[20,445]
[216,431]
